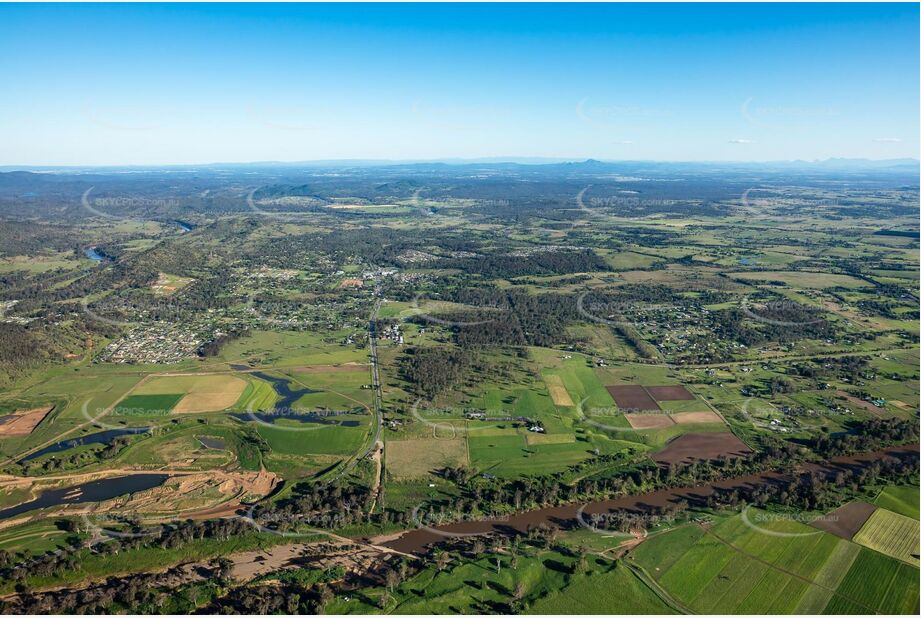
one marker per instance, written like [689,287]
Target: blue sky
[157,84]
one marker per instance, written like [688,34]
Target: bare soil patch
[670,393]
[351,283]
[686,418]
[701,447]
[847,520]
[649,421]
[23,422]
[632,397]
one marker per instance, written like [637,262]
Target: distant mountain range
[587,165]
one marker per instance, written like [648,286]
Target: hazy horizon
[148,85]
[510,160]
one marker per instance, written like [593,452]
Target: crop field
[202,393]
[575,373]
[293,438]
[257,396]
[846,521]
[513,348]
[701,446]
[557,391]
[696,417]
[407,459]
[669,393]
[649,421]
[891,534]
[774,565]
[615,591]
[901,500]
[511,454]
[878,583]
[147,405]
[632,397]
[88,392]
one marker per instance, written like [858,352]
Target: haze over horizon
[149,85]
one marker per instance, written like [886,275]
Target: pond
[93,491]
[210,442]
[102,437]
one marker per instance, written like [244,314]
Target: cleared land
[669,393]
[847,520]
[632,397]
[167,284]
[701,446]
[891,534]
[687,418]
[23,422]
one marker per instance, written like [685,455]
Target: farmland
[891,534]
[739,565]
[901,500]
[338,375]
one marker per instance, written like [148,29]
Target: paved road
[377,410]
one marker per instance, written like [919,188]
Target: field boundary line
[786,572]
[648,581]
[58,437]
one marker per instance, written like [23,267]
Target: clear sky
[158,84]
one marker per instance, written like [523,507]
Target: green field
[509,454]
[288,437]
[257,396]
[777,566]
[147,405]
[891,534]
[901,500]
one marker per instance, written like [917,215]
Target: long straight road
[377,409]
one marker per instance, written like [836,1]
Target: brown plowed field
[701,447]
[23,422]
[670,393]
[632,397]
[847,520]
